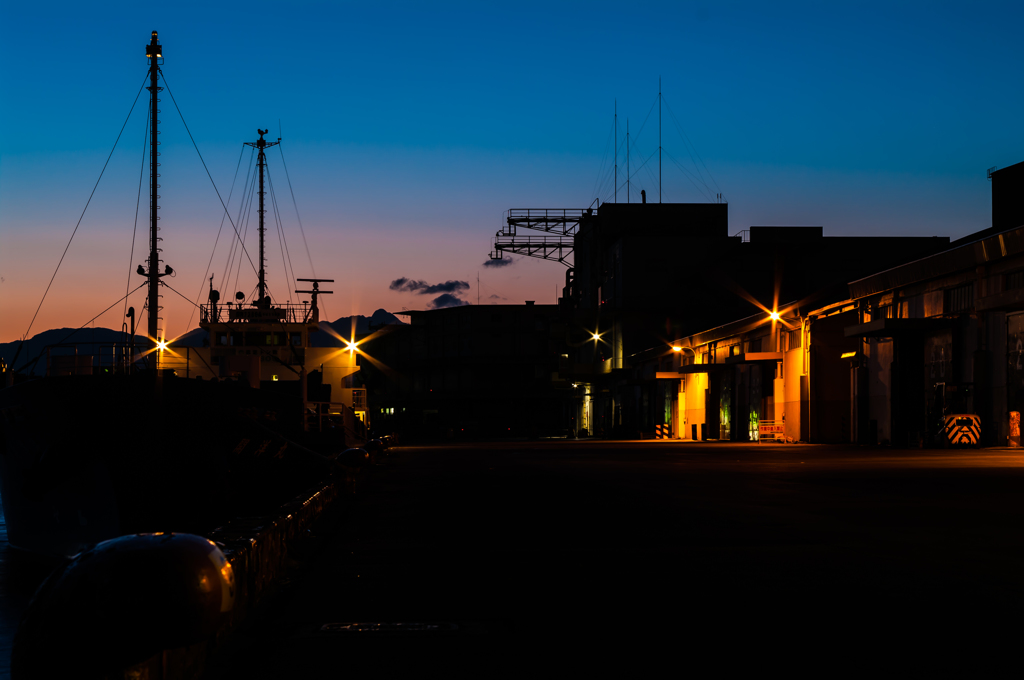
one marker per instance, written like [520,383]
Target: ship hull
[88,458]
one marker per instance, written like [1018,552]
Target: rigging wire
[245,230]
[637,135]
[216,240]
[690,176]
[180,115]
[75,231]
[298,216]
[286,257]
[604,160]
[694,150]
[296,204]
[135,227]
[164,283]
[243,204]
[277,223]
[633,174]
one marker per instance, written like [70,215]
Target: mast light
[153,49]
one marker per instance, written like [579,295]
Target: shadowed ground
[642,552]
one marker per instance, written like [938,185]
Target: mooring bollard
[1015,429]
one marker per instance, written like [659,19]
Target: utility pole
[616,144]
[659,140]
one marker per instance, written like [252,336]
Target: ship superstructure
[262,342]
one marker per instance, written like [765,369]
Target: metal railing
[119,358]
[287,312]
[105,358]
[557,248]
[562,221]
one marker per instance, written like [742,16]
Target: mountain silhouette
[89,341]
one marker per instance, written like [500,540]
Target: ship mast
[155,54]
[261,161]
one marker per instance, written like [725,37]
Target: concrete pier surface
[579,552]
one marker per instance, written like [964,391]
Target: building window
[794,338]
[959,299]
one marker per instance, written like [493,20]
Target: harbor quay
[473,558]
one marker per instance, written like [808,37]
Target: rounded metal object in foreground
[121,602]
[354,458]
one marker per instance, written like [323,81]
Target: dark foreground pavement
[591,554]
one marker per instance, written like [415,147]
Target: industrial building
[469,371]
[643,274]
[888,362]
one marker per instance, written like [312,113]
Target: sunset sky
[409,128]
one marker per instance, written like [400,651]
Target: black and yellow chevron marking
[963,429]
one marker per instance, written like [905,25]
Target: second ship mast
[261,145]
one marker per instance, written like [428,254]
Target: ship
[149,436]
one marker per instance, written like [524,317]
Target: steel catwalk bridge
[558,226]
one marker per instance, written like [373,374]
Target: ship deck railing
[287,312]
[66,359]
[121,358]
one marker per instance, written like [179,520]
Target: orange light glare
[774,316]
[597,336]
[677,348]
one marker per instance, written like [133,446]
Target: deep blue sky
[410,127]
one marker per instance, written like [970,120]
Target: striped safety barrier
[962,429]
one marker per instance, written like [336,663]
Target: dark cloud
[446,300]
[406,284]
[424,288]
[497,297]
[502,262]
